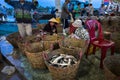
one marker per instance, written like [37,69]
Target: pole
[57,5]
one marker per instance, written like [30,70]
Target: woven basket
[105,23]
[66,73]
[40,26]
[115,23]
[36,60]
[51,39]
[116,38]
[71,51]
[21,47]
[27,41]
[34,47]
[74,42]
[59,28]
[34,54]
[112,67]
[49,44]
[12,38]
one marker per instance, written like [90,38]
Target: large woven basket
[36,60]
[116,38]
[59,28]
[12,38]
[112,67]
[66,73]
[52,37]
[40,26]
[34,54]
[48,40]
[27,41]
[71,51]
[49,44]
[21,46]
[76,43]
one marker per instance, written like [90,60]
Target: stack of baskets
[34,51]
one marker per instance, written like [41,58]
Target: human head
[56,10]
[90,4]
[102,5]
[36,3]
[67,1]
[21,1]
[77,23]
[78,4]
[53,21]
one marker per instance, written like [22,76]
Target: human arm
[34,5]
[12,3]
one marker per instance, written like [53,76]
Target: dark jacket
[22,11]
[50,29]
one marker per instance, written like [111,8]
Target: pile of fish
[62,60]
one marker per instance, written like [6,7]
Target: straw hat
[53,20]
[77,23]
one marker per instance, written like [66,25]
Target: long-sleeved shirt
[50,29]
[22,11]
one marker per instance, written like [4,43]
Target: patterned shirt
[82,33]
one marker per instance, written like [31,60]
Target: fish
[62,60]
[55,61]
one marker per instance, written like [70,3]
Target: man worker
[64,16]
[23,16]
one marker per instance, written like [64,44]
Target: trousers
[25,29]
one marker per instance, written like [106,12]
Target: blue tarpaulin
[5,47]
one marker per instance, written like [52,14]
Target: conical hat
[53,20]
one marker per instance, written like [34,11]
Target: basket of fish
[61,65]
[34,55]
